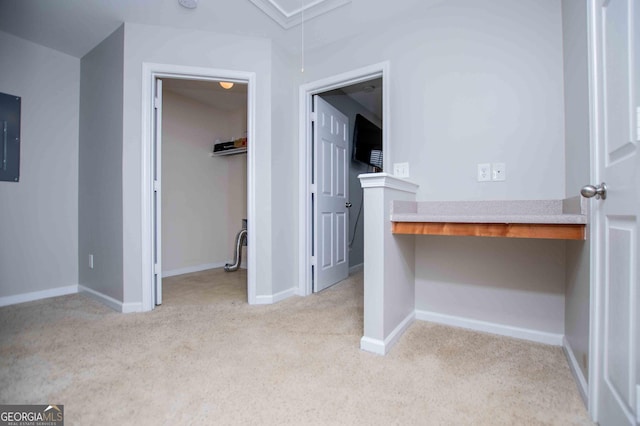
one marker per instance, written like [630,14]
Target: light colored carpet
[206,357]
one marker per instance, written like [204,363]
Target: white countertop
[569,211]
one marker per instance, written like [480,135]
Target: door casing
[306,93]
[150,72]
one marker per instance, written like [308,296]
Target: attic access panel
[9,137]
[289,13]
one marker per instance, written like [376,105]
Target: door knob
[598,191]
[347,205]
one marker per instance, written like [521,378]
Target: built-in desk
[391,209]
[548,219]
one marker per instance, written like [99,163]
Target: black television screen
[367,142]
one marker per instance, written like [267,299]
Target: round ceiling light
[226,84]
[189,4]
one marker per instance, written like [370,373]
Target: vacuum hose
[241,239]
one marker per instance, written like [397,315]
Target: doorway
[347,92]
[151,195]
[204,187]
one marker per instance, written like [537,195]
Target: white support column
[389,273]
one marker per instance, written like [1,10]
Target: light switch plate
[401,170]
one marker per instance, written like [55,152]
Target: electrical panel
[9,137]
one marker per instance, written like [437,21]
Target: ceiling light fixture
[226,84]
[189,4]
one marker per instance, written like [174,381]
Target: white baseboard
[191,269]
[356,268]
[583,387]
[489,327]
[38,295]
[275,298]
[382,347]
[375,346]
[109,301]
[128,308]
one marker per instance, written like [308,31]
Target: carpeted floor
[206,357]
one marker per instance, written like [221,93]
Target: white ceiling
[77,26]
[209,93]
[367,93]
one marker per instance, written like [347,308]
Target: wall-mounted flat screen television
[367,142]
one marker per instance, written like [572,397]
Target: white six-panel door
[331,162]
[615,50]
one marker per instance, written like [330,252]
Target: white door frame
[595,243]
[305,105]
[151,71]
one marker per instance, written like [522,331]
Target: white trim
[304,158]
[386,180]
[593,226]
[375,346]
[289,19]
[583,387]
[490,327]
[356,268]
[275,298]
[382,347]
[109,301]
[38,295]
[151,71]
[191,269]
[129,308]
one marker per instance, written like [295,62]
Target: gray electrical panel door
[9,137]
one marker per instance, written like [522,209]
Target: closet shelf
[233,151]
[236,146]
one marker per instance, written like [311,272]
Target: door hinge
[156,268]
[313,261]
[313,188]
[314,116]
[156,186]
[156,102]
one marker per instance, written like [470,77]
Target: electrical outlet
[484,172]
[498,172]
[401,170]
[90,261]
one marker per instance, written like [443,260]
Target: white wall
[38,230]
[473,82]
[517,283]
[577,149]
[203,197]
[283,233]
[163,45]
[100,176]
